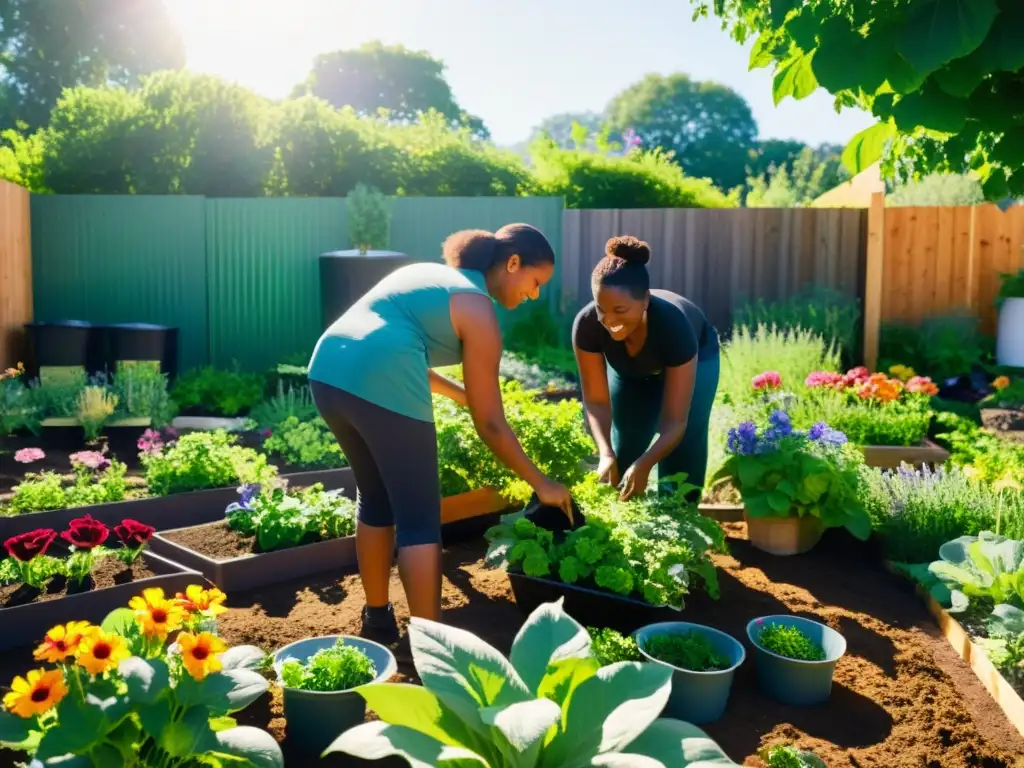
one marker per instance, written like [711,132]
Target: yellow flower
[1006,482]
[1001,382]
[902,372]
[158,615]
[101,651]
[62,642]
[199,600]
[42,690]
[199,653]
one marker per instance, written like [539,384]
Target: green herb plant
[286,402]
[280,519]
[340,668]
[49,490]
[219,392]
[786,756]
[18,409]
[1011,286]
[550,703]
[690,650]
[791,642]
[202,460]
[610,647]
[369,218]
[307,444]
[1004,645]
[141,389]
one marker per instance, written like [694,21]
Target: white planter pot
[1010,336]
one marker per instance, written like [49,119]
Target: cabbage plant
[986,567]
[549,704]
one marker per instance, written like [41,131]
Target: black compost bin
[63,343]
[346,275]
[141,342]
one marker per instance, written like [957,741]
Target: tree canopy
[945,78]
[708,126]
[374,76]
[49,45]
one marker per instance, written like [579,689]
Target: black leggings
[394,460]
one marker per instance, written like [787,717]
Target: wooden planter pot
[892,456]
[784,535]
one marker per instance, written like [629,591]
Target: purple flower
[780,426]
[630,139]
[247,494]
[743,439]
[817,430]
[28,455]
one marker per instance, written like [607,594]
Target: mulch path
[106,572]
[901,699]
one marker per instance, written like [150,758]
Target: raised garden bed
[115,585]
[723,513]
[892,456]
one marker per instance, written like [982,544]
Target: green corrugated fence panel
[121,259]
[420,224]
[263,260]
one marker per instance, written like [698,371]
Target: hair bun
[629,248]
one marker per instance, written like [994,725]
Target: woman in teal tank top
[371,379]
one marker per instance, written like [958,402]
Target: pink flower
[856,376]
[90,460]
[150,442]
[28,455]
[767,380]
[267,433]
[922,385]
[824,379]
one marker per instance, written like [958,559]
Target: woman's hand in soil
[554,494]
[608,470]
[634,482]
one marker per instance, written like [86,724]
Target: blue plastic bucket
[794,681]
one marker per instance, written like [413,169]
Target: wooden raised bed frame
[892,456]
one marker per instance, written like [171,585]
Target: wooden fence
[924,262]
[15,270]
[720,257]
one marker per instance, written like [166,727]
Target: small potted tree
[794,483]
[319,676]
[796,658]
[369,219]
[1010,336]
[703,661]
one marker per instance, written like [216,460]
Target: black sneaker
[380,626]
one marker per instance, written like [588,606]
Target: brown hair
[624,266]
[481,250]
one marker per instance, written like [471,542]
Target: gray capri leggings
[394,460]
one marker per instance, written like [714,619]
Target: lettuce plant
[202,460]
[340,668]
[550,703]
[986,567]
[280,520]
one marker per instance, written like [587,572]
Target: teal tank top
[381,348]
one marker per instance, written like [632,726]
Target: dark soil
[902,698]
[214,540]
[106,572]
[1008,423]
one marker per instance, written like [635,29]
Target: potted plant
[368,218]
[794,483]
[703,662]
[320,676]
[795,658]
[549,703]
[1010,336]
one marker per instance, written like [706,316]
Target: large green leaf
[781,9]
[242,657]
[223,692]
[1002,50]
[960,77]
[750,471]
[189,734]
[839,45]
[609,710]
[375,741]
[867,146]
[780,502]
[548,635]
[146,680]
[564,677]
[256,746]
[1006,620]
[626,760]
[83,724]
[938,31]
[679,745]
[802,29]
[123,622]
[761,53]
[930,108]
[858,523]
[794,77]
[523,725]
[462,670]
[413,706]
[13,729]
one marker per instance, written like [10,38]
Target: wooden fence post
[15,271]
[873,279]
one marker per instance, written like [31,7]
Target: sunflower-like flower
[101,651]
[198,600]
[42,690]
[61,642]
[158,615]
[201,653]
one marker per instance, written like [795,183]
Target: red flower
[767,380]
[25,546]
[132,533]
[86,533]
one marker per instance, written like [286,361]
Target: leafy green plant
[95,406]
[1010,396]
[280,520]
[141,389]
[18,409]
[549,703]
[219,392]
[309,444]
[782,472]
[652,546]
[785,756]
[340,668]
[368,218]
[57,396]
[984,455]
[609,646]
[690,650]
[987,568]
[202,460]
[941,347]
[897,423]
[1004,645]
[791,642]
[286,402]
[48,490]
[1011,286]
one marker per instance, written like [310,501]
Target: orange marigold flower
[158,615]
[38,694]
[62,642]
[102,651]
[1002,382]
[201,653]
[922,385]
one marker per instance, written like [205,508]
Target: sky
[512,63]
